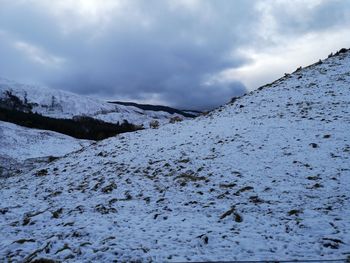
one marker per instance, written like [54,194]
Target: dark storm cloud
[171,51]
[171,58]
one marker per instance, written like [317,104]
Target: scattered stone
[22,241]
[316,177]
[244,189]
[204,238]
[52,158]
[44,260]
[105,210]
[184,160]
[109,188]
[316,186]
[227,185]
[56,214]
[3,211]
[42,172]
[295,212]
[189,176]
[332,243]
[237,217]
[256,200]
[314,145]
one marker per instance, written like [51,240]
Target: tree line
[78,127]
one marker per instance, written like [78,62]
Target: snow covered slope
[22,148]
[264,178]
[62,104]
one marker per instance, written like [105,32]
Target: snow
[264,178]
[62,104]
[19,144]
[23,143]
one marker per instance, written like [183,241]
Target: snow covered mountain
[62,104]
[23,148]
[263,178]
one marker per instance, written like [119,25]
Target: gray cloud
[171,51]
[313,18]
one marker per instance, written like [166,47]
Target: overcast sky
[185,53]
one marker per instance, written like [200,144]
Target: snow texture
[20,145]
[264,178]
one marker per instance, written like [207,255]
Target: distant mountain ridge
[64,112]
[62,104]
[149,107]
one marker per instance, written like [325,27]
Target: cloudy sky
[185,53]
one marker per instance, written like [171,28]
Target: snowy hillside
[22,148]
[264,178]
[62,104]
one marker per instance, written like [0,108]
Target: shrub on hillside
[154,124]
[175,119]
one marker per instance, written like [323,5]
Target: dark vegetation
[156,108]
[13,102]
[79,127]
[13,109]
